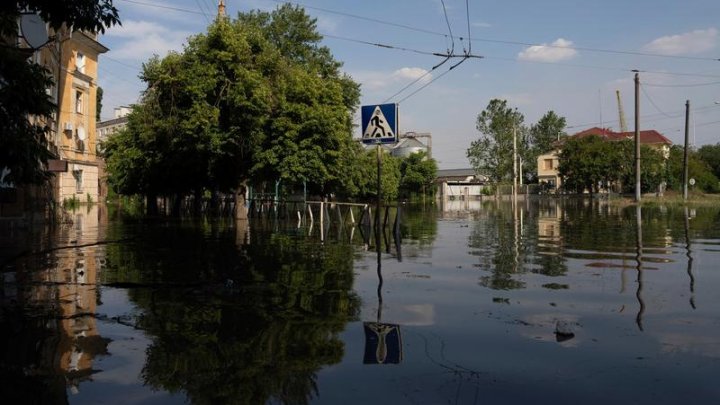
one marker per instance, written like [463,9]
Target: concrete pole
[515,168]
[685,153]
[637,138]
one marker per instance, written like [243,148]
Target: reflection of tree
[264,320]
[418,229]
[27,361]
[496,240]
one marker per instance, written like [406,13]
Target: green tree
[25,107]
[98,102]
[245,101]
[417,174]
[699,168]
[546,132]
[710,154]
[591,163]
[587,162]
[492,153]
[543,137]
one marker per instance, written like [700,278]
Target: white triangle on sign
[378,127]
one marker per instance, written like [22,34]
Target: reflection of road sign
[383,343]
[379,123]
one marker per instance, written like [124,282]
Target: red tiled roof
[650,136]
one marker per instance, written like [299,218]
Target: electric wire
[499,41]
[183,10]
[682,85]
[447,21]
[199,4]
[467,14]
[440,54]
[433,80]
[647,96]
[647,117]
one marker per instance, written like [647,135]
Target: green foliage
[586,162]
[710,154]
[23,144]
[256,98]
[699,168]
[492,153]
[71,203]
[543,137]
[591,163]
[418,174]
[546,132]
[98,103]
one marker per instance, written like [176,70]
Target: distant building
[409,144]
[548,163]
[109,127]
[459,184]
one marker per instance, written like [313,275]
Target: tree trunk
[151,208]
[177,205]
[197,206]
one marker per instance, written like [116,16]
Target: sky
[568,56]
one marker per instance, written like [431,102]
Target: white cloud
[138,40]
[688,43]
[559,50]
[413,73]
[386,82]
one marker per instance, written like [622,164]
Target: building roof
[114,121]
[410,143]
[650,136]
[455,173]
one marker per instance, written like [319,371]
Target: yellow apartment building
[73,61]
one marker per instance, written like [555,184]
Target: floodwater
[567,301]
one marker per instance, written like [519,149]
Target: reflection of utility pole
[690,258]
[638,258]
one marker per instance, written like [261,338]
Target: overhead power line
[183,10]
[498,41]
[653,102]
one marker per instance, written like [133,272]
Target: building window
[79,102]
[80,62]
[78,181]
[548,164]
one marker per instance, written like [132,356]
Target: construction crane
[621,112]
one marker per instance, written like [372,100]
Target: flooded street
[569,301]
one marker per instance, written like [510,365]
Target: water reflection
[497,304]
[263,315]
[49,301]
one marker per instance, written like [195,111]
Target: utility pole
[637,137]
[685,154]
[515,171]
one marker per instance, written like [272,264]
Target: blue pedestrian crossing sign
[379,123]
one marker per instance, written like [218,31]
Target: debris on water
[564,331]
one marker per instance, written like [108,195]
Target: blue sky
[576,76]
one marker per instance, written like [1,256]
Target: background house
[548,163]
